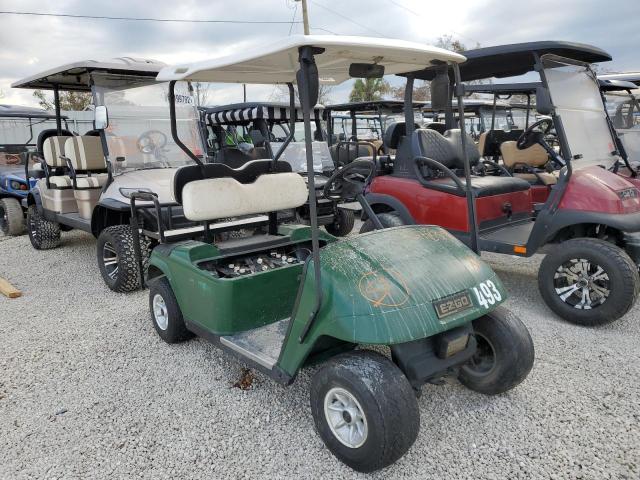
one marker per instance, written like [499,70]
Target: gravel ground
[87,389]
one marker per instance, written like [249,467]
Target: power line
[145,19]
[348,19]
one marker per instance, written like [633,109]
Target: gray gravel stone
[139,408]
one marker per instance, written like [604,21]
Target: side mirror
[101,117]
[366,70]
[543,101]
[440,89]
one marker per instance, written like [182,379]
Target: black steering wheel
[349,181]
[535,134]
[151,141]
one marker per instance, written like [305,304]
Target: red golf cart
[591,212]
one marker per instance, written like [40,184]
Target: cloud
[33,44]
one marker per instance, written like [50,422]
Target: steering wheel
[349,181]
[535,134]
[151,141]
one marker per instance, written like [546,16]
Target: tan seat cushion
[542,177]
[86,153]
[53,148]
[481,142]
[94,181]
[60,181]
[534,156]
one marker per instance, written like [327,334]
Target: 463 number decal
[487,293]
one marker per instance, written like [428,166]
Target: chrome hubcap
[160,313]
[345,417]
[582,284]
[110,260]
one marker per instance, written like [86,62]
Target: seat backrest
[53,148]
[248,173]
[534,156]
[432,144]
[50,132]
[345,153]
[393,133]
[85,153]
[454,136]
[439,127]
[233,157]
[215,198]
[481,143]
[495,138]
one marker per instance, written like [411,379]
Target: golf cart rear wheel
[342,223]
[364,410]
[388,220]
[165,313]
[504,355]
[588,281]
[117,260]
[11,217]
[42,233]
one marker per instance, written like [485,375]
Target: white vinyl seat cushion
[53,149]
[216,198]
[94,181]
[60,181]
[85,153]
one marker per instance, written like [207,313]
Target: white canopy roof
[278,62]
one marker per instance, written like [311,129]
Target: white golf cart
[89,179]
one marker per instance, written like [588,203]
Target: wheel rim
[110,260]
[484,359]
[582,284]
[345,417]
[160,313]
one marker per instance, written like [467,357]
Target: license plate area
[456,303]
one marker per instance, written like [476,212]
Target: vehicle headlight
[17,185]
[126,192]
[628,193]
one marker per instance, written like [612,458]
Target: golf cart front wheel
[11,217]
[165,313]
[342,223]
[589,281]
[42,233]
[117,259]
[388,220]
[364,410]
[504,355]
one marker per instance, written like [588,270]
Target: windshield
[503,119]
[139,131]
[295,155]
[577,101]
[23,132]
[624,111]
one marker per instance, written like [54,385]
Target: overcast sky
[32,44]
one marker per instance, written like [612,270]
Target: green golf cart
[293,295]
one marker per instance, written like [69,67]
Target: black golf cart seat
[489,142]
[447,150]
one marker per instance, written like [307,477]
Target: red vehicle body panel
[595,189]
[432,207]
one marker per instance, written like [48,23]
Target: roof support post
[471,204]
[56,102]
[408,106]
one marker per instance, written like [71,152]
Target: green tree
[68,100]
[369,89]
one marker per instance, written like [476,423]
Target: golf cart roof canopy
[278,62]
[246,112]
[517,59]
[392,106]
[473,104]
[633,77]
[615,85]
[18,111]
[75,76]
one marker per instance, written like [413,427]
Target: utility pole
[305,16]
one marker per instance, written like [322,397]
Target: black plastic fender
[34,198]
[387,202]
